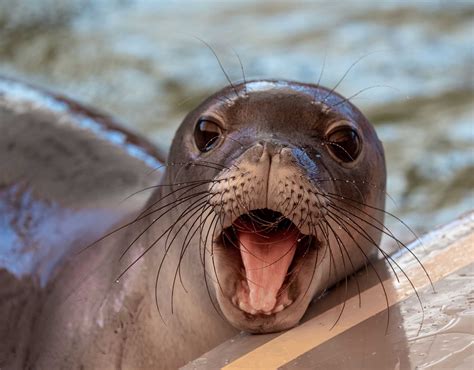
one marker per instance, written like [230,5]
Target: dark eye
[344,143]
[207,135]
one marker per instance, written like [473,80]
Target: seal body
[273,191]
[64,170]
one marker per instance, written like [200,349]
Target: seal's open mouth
[271,247]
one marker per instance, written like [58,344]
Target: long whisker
[351,223]
[322,69]
[360,92]
[174,204]
[390,234]
[345,274]
[241,66]
[183,214]
[343,226]
[184,247]
[220,64]
[357,61]
[338,196]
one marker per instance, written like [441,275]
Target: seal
[272,192]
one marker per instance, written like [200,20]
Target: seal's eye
[207,135]
[344,143]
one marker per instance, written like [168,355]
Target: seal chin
[262,257]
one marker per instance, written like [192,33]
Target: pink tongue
[266,259]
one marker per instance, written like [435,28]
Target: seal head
[293,180]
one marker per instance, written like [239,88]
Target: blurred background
[141,62]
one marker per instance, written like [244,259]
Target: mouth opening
[271,251]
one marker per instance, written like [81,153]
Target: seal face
[293,177]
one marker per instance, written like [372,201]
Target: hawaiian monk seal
[273,191]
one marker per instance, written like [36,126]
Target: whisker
[322,69]
[342,224]
[357,61]
[241,67]
[360,92]
[390,234]
[220,64]
[345,274]
[184,247]
[174,204]
[183,214]
[337,196]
